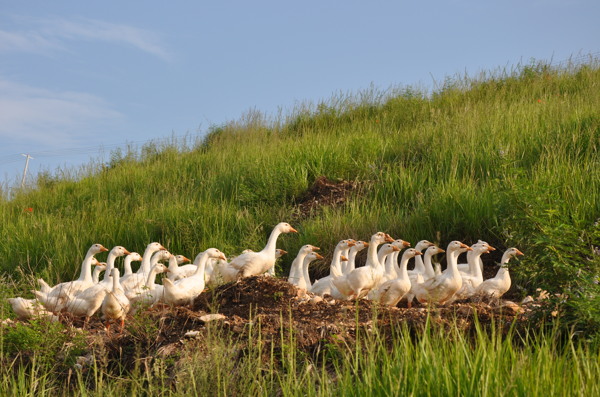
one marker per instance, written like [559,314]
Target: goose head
[215,253]
[411,253]
[313,256]
[97,248]
[153,247]
[119,251]
[360,245]
[423,245]
[388,249]
[433,250]
[134,257]
[458,247]
[181,259]
[510,253]
[285,227]
[161,268]
[401,244]
[307,249]
[380,238]
[279,253]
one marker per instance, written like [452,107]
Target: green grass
[510,157]
[438,361]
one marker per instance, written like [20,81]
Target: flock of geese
[383,278]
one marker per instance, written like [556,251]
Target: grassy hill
[510,158]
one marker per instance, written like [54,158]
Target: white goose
[184,291]
[177,272]
[473,278]
[466,268]
[497,286]
[99,268]
[255,263]
[29,308]
[296,276]
[363,279]
[443,287]
[421,246]
[304,282]
[115,305]
[45,287]
[325,285]
[417,279]
[354,250]
[391,262]
[88,302]
[152,292]
[132,257]
[63,290]
[135,280]
[392,291]
[131,291]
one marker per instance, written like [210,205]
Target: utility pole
[25,170]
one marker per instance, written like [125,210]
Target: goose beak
[283,252]
[490,248]
[520,253]
[186,259]
[162,248]
[167,270]
[351,243]
[418,253]
[365,244]
[103,249]
[441,250]
[315,248]
[127,252]
[388,238]
[394,248]
[222,257]
[292,230]
[406,244]
[469,249]
[319,256]
[343,258]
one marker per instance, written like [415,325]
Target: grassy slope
[479,159]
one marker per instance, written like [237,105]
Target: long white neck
[352,259]
[271,243]
[305,264]
[146,260]
[390,266]
[116,283]
[429,272]
[452,261]
[372,253]
[473,258]
[344,264]
[335,269]
[86,267]
[110,264]
[381,257]
[127,266]
[151,280]
[503,271]
[419,265]
[201,264]
[173,265]
[96,274]
[296,267]
[403,272]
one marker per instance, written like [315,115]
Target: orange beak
[418,253]
[127,252]
[490,248]
[283,252]
[318,256]
[441,250]
[520,253]
[292,230]
[365,244]
[343,258]
[394,248]
[315,248]
[103,248]
[405,243]
[351,243]
[388,238]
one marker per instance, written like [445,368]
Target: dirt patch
[324,192]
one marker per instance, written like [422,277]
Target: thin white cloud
[46,117]
[50,34]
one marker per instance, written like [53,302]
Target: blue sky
[78,79]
